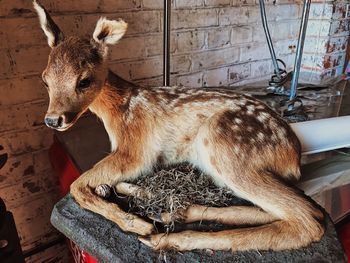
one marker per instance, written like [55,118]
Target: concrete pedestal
[106,242]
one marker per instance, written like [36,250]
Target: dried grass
[178,187]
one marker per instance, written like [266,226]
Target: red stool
[67,173]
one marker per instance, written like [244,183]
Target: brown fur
[234,138]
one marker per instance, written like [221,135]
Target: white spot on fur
[261,136]
[242,102]
[238,120]
[263,116]
[250,109]
[281,133]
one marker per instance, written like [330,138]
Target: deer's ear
[109,31]
[51,30]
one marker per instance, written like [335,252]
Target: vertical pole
[299,52]
[166,42]
[268,38]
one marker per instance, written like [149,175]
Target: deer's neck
[110,106]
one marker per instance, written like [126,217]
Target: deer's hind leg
[244,170]
[297,225]
[232,215]
[107,172]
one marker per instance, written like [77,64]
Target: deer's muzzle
[54,122]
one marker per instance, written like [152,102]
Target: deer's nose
[54,122]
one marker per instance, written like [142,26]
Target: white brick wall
[327,38]
[213,42]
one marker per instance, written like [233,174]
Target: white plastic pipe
[323,135]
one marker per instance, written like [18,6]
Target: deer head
[76,69]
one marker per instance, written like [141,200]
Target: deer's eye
[84,83]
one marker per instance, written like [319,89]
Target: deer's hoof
[103,190]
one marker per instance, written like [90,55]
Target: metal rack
[280,74]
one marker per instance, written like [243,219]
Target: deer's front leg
[108,171]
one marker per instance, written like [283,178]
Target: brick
[283,12]
[27,141]
[283,47]
[41,161]
[17,32]
[254,52]
[294,27]
[152,82]
[340,28]
[24,31]
[194,18]
[33,220]
[16,169]
[140,46]
[129,48]
[15,8]
[217,2]
[22,116]
[138,22]
[261,68]
[238,72]
[340,10]
[282,30]
[273,13]
[153,4]
[215,77]
[233,16]
[241,34]
[140,69]
[23,7]
[321,11]
[323,45]
[316,45]
[57,252]
[189,41]
[317,77]
[337,44]
[214,58]
[321,62]
[191,80]
[21,90]
[180,64]
[242,2]
[29,187]
[8,63]
[317,28]
[188,3]
[23,61]
[219,37]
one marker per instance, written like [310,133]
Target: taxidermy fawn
[237,140]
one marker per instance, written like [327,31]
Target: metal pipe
[323,135]
[166,42]
[299,52]
[268,38]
